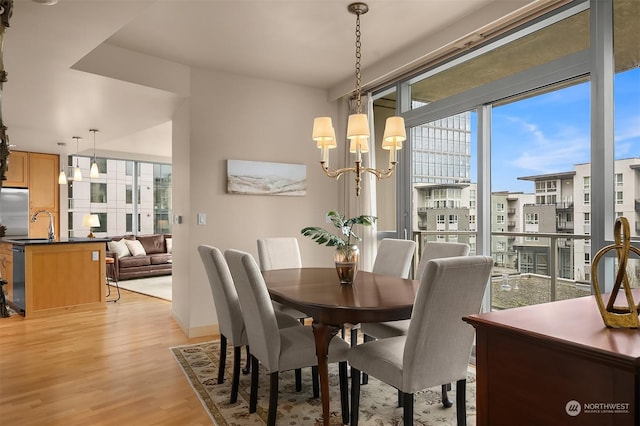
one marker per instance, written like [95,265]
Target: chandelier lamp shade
[77,173]
[94,173]
[62,177]
[358,132]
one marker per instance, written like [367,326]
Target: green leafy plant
[322,236]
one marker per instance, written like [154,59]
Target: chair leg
[446,402]
[247,367]
[407,409]
[314,381]
[354,336]
[223,358]
[461,402]
[400,399]
[253,394]
[355,395]
[298,373]
[235,381]
[273,399]
[365,376]
[344,392]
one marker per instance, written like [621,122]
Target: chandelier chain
[358,58]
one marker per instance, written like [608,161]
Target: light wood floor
[105,367]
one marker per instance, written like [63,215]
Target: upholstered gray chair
[280,253]
[438,343]
[394,258]
[277,349]
[230,318]
[383,330]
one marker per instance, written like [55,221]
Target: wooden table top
[318,293]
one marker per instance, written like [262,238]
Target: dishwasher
[18,278]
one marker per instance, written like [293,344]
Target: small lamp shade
[77,174]
[62,178]
[358,126]
[94,171]
[362,141]
[394,133]
[323,133]
[90,221]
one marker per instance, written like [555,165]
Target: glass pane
[384,107]
[540,149]
[565,37]
[444,180]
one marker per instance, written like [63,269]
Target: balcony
[511,223]
[564,225]
[423,210]
[511,210]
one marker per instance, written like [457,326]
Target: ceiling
[61,81]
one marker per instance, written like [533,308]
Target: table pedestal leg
[323,334]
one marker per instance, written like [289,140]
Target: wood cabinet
[44,192]
[6,268]
[556,364]
[18,172]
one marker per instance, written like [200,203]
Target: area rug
[378,401]
[159,287]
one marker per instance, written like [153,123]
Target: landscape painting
[263,178]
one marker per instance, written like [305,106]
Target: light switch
[95,256]
[202,218]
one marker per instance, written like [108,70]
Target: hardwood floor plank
[109,366]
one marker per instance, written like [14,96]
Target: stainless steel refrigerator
[14,211]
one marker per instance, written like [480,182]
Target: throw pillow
[169,242]
[119,248]
[135,247]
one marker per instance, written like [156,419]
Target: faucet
[52,232]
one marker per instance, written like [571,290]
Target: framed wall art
[265,178]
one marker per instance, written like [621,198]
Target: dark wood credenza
[556,364]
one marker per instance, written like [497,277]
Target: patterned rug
[378,401]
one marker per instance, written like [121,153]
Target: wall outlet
[202,218]
[95,256]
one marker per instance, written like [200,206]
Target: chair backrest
[438,343]
[279,253]
[394,257]
[225,297]
[436,250]
[259,316]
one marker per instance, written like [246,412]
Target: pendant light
[62,177]
[94,167]
[77,174]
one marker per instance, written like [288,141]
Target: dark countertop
[45,241]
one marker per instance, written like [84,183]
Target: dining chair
[437,346]
[230,318]
[280,253]
[277,349]
[394,258]
[383,330]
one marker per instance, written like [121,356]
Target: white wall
[234,117]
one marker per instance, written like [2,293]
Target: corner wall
[234,117]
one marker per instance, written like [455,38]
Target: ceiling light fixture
[62,177]
[358,127]
[94,167]
[77,174]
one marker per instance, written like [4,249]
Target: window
[587,198]
[587,258]
[531,219]
[587,218]
[586,182]
[618,179]
[501,246]
[440,219]
[500,219]
[98,192]
[472,219]
[453,219]
[499,207]
[619,197]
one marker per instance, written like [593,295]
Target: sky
[550,133]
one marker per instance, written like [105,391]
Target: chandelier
[358,127]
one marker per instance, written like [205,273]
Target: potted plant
[347,251]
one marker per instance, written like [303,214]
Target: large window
[129,197]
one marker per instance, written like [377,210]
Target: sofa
[140,256]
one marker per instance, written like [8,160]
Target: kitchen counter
[51,277]
[41,241]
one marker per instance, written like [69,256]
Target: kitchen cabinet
[6,268]
[44,192]
[18,172]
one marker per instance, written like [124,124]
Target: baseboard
[191,332]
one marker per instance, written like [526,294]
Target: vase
[346,258]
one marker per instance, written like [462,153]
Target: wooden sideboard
[556,364]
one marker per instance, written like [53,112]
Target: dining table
[318,293]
